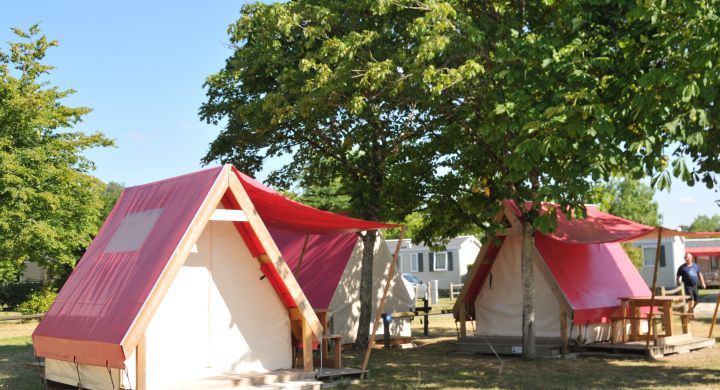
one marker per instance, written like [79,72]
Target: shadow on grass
[14,371]
[438,366]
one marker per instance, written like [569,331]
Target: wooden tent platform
[506,345]
[655,351]
[276,379]
[333,374]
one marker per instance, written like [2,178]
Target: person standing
[689,274]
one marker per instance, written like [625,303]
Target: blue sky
[141,65]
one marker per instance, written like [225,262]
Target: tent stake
[651,326]
[381,306]
[712,324]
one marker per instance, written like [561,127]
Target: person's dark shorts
[692,291]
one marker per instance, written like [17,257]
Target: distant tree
[49,203]
[704,223]
[331,197]
[109,197]
[629,199]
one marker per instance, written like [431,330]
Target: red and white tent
[580,270]
[324,252]
[183,282]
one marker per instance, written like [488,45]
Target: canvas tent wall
[329,274]
[170,290]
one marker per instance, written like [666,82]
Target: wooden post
[452,294]
[307,337]
[426,309]
[381,306]
[140,365]
[563,330]
[712,324]
[463,326]
[652,290]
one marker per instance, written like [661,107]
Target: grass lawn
[15,351]
[434,365]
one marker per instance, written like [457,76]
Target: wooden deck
[502,345]
[655,351]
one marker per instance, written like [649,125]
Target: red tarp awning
[599,227]
[278,210]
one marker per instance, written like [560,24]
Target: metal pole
[652,291]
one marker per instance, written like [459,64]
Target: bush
[13,294]
[39,301]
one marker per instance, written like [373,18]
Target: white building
[448,266]
[672,253]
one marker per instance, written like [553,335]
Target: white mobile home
[447,266]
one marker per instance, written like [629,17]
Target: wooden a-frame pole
[712,324]
[381,306]
[651,327]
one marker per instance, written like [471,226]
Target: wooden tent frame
[226,182]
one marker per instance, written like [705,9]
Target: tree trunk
[528,291]
[366,291]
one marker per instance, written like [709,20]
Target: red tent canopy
[278,210]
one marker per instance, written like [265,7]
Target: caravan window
[649,256]
[414,262]
[440,261]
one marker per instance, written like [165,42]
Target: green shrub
[13,294]
[39,301]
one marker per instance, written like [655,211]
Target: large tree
[331,84]
[570,92]
[49,204]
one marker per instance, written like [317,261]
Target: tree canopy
[49,204]
[450,107]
